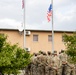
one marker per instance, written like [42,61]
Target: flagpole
[24,25]
[52,29]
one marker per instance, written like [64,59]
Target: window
[35,37]
[49,38]
[62,38]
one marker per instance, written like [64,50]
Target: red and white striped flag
[49,13]
[22,4]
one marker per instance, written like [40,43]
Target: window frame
[62,38]
[49,38]
[35,37]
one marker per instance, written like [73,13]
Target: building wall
[43,43]
[15,37]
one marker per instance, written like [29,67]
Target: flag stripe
[22,4]
[49,13]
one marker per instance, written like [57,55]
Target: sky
[12,14]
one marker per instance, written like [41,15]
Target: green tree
[12,57]
[70,43]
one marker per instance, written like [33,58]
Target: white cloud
[10,22]
[36,11]
[68,16]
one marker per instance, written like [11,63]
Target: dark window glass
[49,38]
[35,37]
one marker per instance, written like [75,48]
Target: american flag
[49,13]
[22,4]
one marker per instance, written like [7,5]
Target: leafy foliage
[70,43]
[12,57]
